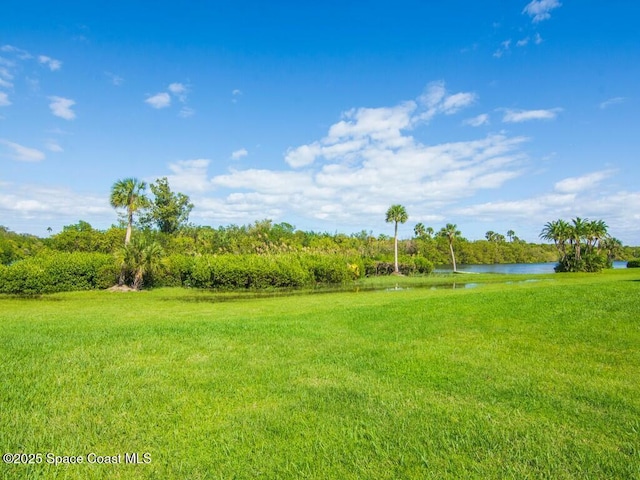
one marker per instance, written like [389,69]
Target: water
[518,268]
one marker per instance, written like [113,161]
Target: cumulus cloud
[179,90]
[4,100]
[61,107]
[238,154]
[539,10]
[518,116]
[159,100]
[368,160]
[190,175]
[21,153]
[46,202]
[584,182]
[50,62]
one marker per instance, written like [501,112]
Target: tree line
[154,228]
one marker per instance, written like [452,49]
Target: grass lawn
[536,379]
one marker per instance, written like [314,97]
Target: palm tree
[429,232]
[141,258]
[559,231]
[129,194]
[451,232]
[419,230]
[579,231]
[511,234]
[396,214]
[490,235]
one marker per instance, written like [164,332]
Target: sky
[494,115]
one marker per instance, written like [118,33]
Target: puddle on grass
[221,297]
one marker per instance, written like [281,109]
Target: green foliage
[58,272]
[168,211]
[633,264]
[583,245]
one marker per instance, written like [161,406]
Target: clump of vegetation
[583,245]
[633,264]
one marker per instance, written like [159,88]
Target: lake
[511,267]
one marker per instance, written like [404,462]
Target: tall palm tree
[511,234]
[419,230]
[396,214]
[559,231]
[128,193]
[451,232]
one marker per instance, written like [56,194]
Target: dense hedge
[58,272]
[61,271]
[255,271]
[633,264]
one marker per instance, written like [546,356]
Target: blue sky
[492,115]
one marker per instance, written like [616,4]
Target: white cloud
[4,83]
[585,182]
[238,154]
[53,146]
[235,94]
[504,48]
[482,119]
[612,101]
[20,53]
[50,62]
[368,160]
[517,116]
[45,202]
[539,9]
[159,100]
[21,153]
[179,90]
[437,100]
[61,107]
[4,100]
[523,42]
[190,175]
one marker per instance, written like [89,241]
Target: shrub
[57,271]
[633,264]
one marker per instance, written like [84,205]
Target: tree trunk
[127,237]
[395,245]
[453,257]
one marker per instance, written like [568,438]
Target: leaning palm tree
[396,214]
[129,194]
[451,232]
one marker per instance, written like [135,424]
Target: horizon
[322,116]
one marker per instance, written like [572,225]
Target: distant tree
[129,194]
[451,233]
[396,214]
[168,211]
[419,230]
[429,232]
[490,235]
[511,235]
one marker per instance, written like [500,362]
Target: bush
[588,262]
[633,264]
[56,272]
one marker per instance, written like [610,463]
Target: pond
[518,268]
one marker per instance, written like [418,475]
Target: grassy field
[510,379]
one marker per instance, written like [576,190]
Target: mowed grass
[506,380]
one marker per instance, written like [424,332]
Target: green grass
[505,380]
